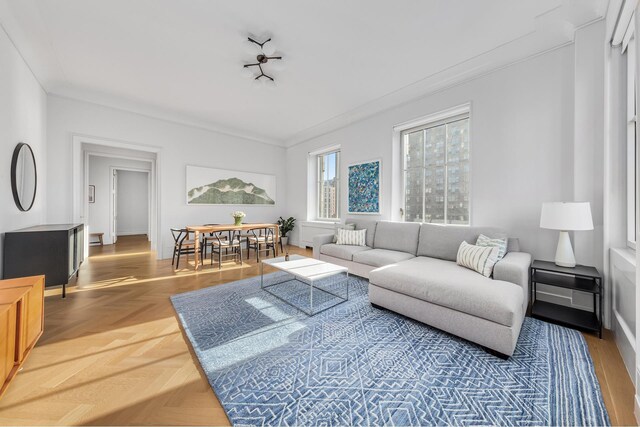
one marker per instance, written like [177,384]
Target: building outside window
[328,185]
[436,171]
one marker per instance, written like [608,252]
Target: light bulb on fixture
[269,48]
[250,47]
[248,73]
[277,65]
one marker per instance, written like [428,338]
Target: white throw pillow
[351,237]
[500,243]
[478,258]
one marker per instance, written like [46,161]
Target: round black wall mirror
[24,177]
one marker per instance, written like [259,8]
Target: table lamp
[565,217]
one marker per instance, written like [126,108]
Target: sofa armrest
[318,241]
[514,268]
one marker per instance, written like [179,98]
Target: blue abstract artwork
[364,187]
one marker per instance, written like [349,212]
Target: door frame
[112,209]
[80,181]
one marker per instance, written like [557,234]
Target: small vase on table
[238,216]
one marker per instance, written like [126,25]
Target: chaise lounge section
[412,270]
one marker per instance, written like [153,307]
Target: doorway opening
[119,198]
[130,212]
[116,192]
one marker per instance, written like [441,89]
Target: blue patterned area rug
[352,364]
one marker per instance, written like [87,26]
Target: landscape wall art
[208,186]
[364,187]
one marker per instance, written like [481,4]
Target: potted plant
[238,216]
[286,225]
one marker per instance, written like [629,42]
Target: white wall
[99,175]
[23,110]
[179,146]
[133,203]
[588,139]
[523,124]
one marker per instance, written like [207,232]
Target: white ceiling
[181,59]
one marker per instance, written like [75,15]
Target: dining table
[214,228]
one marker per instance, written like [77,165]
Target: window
[632,202]
[328,185]
[436,171]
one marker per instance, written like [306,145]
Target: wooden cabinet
[21,323]
[56,251]
[7,341]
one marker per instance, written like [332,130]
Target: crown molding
[3,27]
[474,68]
[551,23]
[156,113]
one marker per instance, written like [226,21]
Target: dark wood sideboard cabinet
[55,251]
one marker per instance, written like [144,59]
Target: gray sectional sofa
[412,270]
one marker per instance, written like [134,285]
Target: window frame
[319,184]
[631,132]
[438,119]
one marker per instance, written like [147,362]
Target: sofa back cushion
[513,244]
[362,224]
[397,236]
[442,242]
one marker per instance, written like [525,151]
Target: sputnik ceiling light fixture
[265,54]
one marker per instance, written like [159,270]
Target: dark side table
[579,278]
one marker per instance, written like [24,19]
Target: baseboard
[132,233]
[625,342]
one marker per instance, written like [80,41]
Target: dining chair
[182,245]
[207,238]
[244,237]
[228,242]
[262,241]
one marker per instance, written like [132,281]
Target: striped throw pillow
[339,226]
[351,237]
[500,243]
[477,258]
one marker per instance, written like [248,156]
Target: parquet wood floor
[113,352]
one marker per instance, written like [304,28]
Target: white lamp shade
[566,216]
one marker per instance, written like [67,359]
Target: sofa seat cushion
[342,251]
[380,257]
[449,285]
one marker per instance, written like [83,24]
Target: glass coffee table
[308,284]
